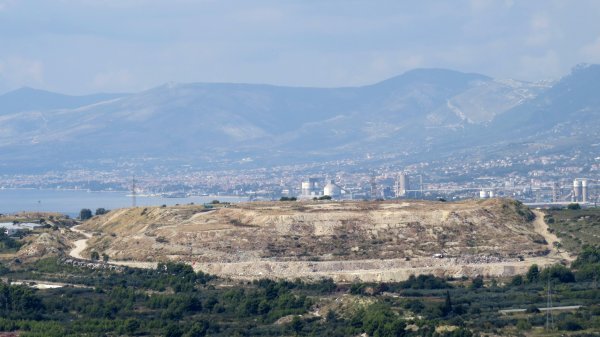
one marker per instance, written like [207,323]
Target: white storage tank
[332,190]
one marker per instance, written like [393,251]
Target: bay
[72,201]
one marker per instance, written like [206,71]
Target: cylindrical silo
[576,190]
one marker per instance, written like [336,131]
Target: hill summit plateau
[345,240]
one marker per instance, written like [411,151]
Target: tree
[296,324]
[172,330]
[104,257]
[447,307]
[533,274]
[95,256]
[131,325]
[85,214]
[477,282]
[331,316]
[198,329]
[570,325]
[517,280]
[557,272]
[574,206]
[100,211]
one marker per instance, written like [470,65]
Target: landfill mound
[383,240]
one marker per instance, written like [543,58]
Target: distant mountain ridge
[26,99]
[434,111]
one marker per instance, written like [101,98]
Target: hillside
[29,99]
[321,238]
[570,107]
[419,115]
[268,124]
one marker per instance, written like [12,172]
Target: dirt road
[80,245]
[541,227]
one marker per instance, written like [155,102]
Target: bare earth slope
[343,240]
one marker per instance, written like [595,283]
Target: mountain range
[423,112]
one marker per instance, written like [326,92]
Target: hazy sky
[84,46]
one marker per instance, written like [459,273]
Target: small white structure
[12,229]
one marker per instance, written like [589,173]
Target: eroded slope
[333,231]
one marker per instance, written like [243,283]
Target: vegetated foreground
[348,241]
[44,293]
[575,228]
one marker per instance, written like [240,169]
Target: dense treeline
[173,300]
[19,302]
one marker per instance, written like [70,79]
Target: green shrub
[570,325]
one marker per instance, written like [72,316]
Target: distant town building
[388,192]
[310,188]
[486,194]
[402,186]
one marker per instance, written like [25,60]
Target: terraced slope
[298,238]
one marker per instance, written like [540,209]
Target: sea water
[72,201]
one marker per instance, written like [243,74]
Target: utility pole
[374,191]
[133,196]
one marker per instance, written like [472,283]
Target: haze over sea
[72,201]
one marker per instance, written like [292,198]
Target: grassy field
[575,228]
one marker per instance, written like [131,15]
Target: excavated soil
[368,241]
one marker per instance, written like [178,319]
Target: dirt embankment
[369,241]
